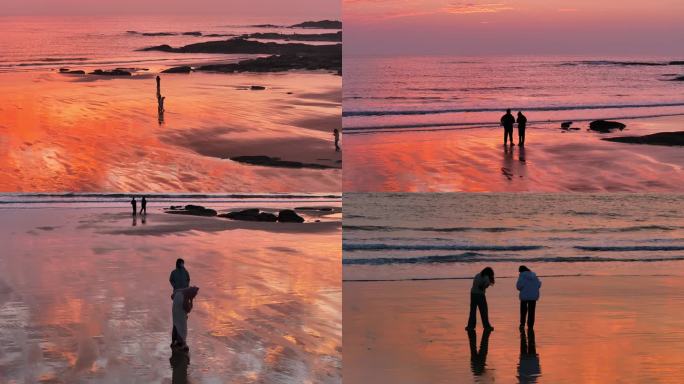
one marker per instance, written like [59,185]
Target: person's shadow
[478,358]
[529,368]
[179,360]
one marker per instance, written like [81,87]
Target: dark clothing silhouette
[478,301]
[507,121]
[158,87]
[527,309]
[143,206]
[336,133]
[478,359]
[522,124]
[180,278]
[134,205]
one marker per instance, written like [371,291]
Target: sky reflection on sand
[81,301]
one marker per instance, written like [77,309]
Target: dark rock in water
[114,72]
[276,162]
[289,216]
[194,33]
[678,78]
[322,24]
[250,215]
[337,36]
[257,87]
[184,69]
[239,45]
[159,34]
[266,26]
[605,126]
[662,138]
[278,64]
[676,63]
[566,124]
[70,72]
[194,210]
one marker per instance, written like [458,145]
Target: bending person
[478,299]
[528,284]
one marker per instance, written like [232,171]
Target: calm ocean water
[431,236]
[460,92]
[46,43]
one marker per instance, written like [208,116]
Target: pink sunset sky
[629,27]
[305,9]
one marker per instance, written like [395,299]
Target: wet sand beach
[475,160]
[601,329]
[85,294]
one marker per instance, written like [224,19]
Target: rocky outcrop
[71,72]
[279,64]
[662,138]
[322,24]
[289,216]
[239,45]
[295,36]
[605,126]
[257,88]
[113,72]
[193,210]
[193,33]
[183,69]
[250,215]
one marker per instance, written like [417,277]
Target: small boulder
[257,88]
[193,210]
[605,126]
[289,216]
[566,125]
[114,72]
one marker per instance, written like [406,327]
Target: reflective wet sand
[84,296]
[475,160]
[624,329]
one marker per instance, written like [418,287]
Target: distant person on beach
[507,121]
[528,284]
[158,87]
[522,123]
[134,205]
[478,299]
[143,206]
[336,133]
[182,300]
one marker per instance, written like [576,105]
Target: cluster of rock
[605,126]
[337,36]
[98,72]
[254,214]
[662,138]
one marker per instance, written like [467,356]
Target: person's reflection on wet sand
[521,155]
[135,221]
[529,368]
[179,363]
[478,359]
[143,219]
[507,167]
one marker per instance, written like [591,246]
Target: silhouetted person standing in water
[179,279]
[143,206]
[528,284]
[134,205]
[508,121]
[336,133]
[478,300]
[522,123]
[158,87]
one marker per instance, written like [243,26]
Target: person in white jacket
[528,284]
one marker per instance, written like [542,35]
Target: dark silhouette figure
[478,358]
[528,284]
[179,279]
[522,123]
[158,87]
[529,368]
[507,121]
[179,360]
[336,133]
[143,206]
[478,299]
[134,205]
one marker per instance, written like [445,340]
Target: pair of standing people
[507,121]
[143,206]
[528,284]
